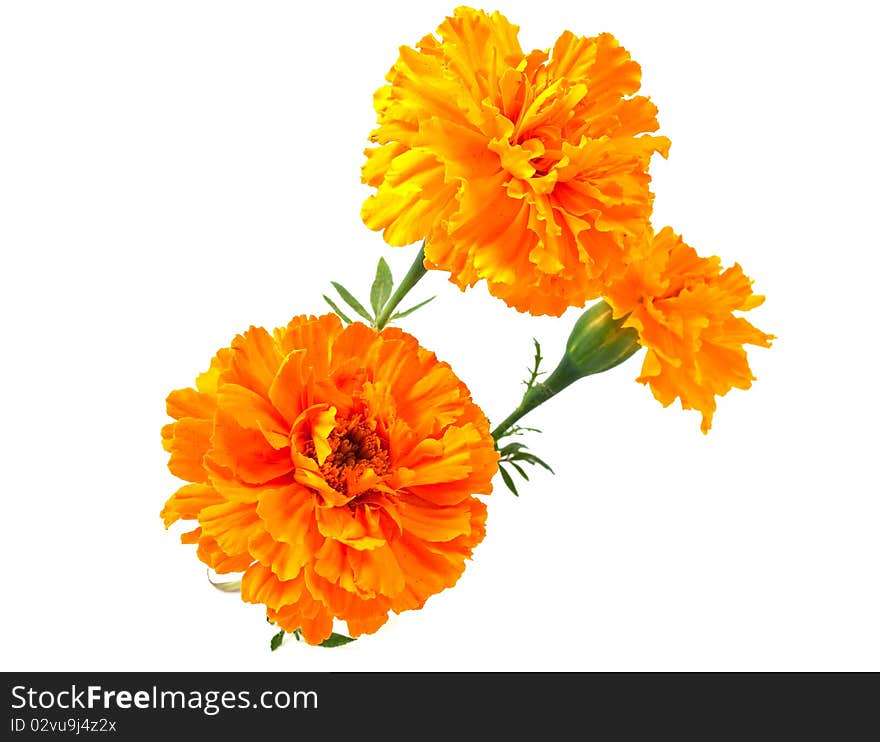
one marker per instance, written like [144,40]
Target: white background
[172,172]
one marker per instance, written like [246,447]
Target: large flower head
[683,306]
[335,468]
[527,171]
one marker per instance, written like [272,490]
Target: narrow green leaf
[351,301]
[297,634]
[382,285]
[532,459]
[521,471]
[336,309]
[511,448]
[336,640]
[508,480]
[412,309]
[518,430]
[276,640]
[535,373]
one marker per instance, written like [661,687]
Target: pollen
[355,446]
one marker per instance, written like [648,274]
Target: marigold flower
[682,306]
[526,170]
[335,467]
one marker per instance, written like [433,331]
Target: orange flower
[682,306]
[335,468]
[525,170]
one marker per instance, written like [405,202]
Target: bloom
[335,467]
[526,170]
[682,306]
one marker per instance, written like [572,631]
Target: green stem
[413,276]
[537,395]
[510,420]
[597,343]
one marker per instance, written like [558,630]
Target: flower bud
[597,342]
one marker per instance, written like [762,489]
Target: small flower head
[683,306]
[335,468]
[527,171]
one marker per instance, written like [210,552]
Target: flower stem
[536,395]
[598,342]
[413,276]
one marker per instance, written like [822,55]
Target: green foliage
[514,455]
[381,289]
[383,299]
[276,640]
[508,480]
[349,299]
[534,372]
[336,640]
[409,311]
[336,309]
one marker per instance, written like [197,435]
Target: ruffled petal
[336,469]
[528,171]
[682,306]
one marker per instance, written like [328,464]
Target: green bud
[599,342]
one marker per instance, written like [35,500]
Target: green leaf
[412,309]
[534,373]
[351,301]
[508,480]
[336,309]
[276,640]
[520,430]
[336,640]
[511,448]
[522,472]
[382,286]
[532,459]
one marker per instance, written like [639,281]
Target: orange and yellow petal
[526,171]
[335,467]
[683,307]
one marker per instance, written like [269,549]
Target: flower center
[551,137]
[354,448]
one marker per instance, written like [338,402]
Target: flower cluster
[336,465]
[530,171]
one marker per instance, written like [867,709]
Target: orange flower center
[354,448]
[551,137]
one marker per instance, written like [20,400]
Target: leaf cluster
[515,455]
[334,640]
[381,293]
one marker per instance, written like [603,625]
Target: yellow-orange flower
[335,468]
[682,306]
[526,170]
